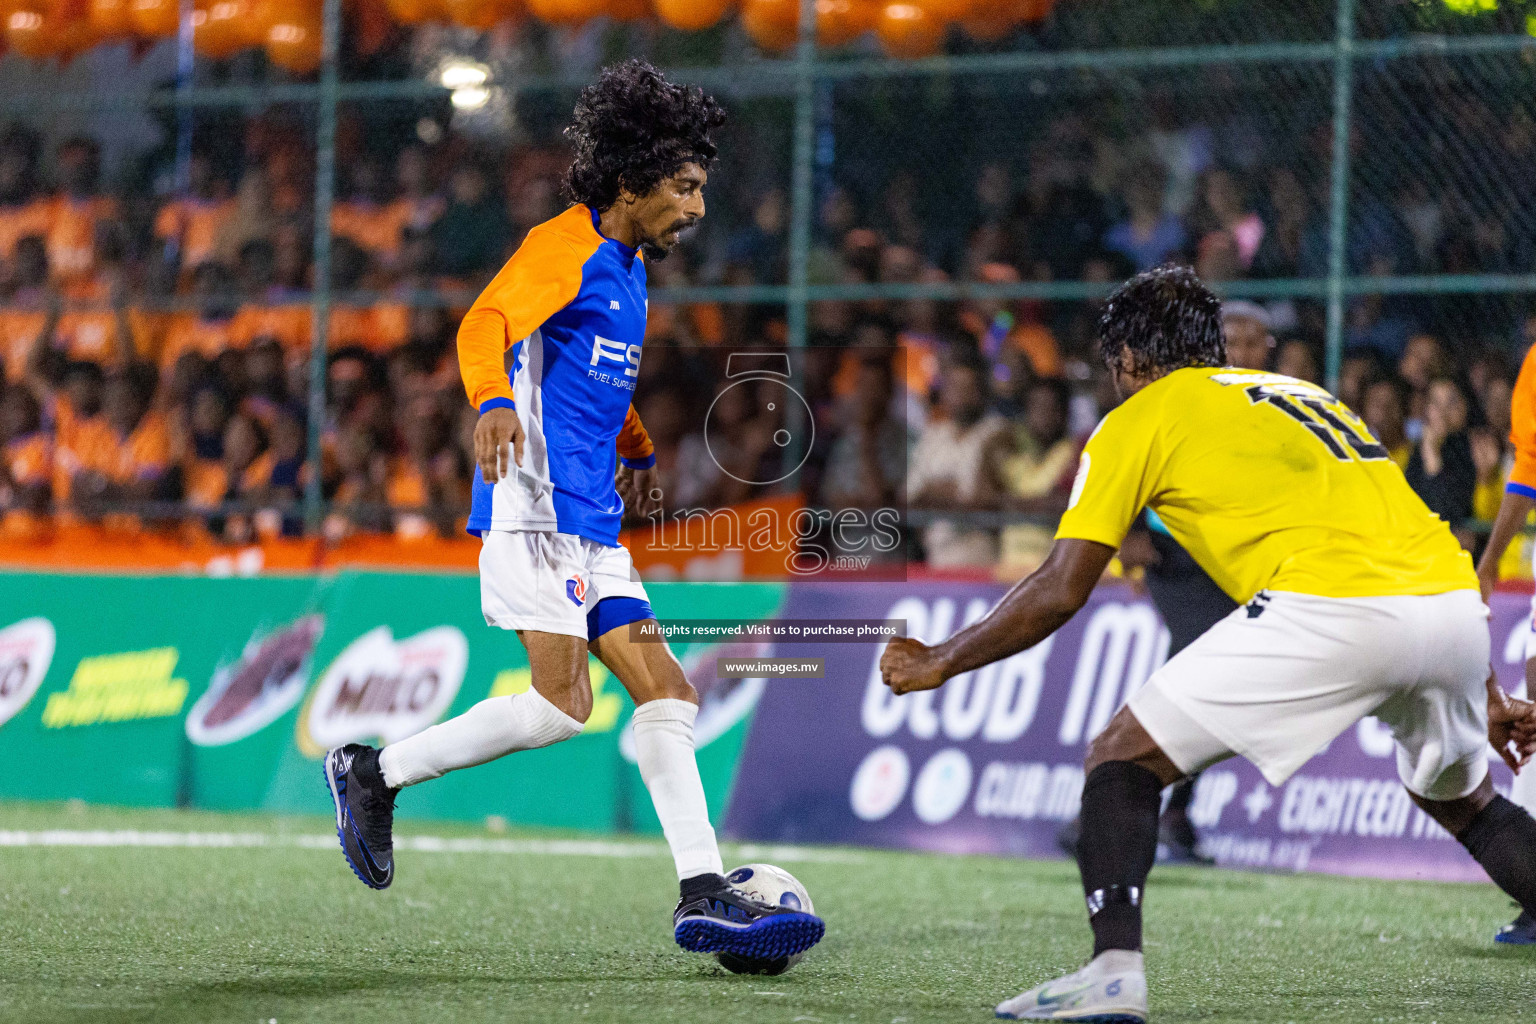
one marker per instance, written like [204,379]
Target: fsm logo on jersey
[260,686]
[383,688]
[26,651]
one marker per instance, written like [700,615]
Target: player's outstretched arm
[1036,607]
[1513,510]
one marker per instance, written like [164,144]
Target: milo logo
[260,686]
[383,688]
[26,651]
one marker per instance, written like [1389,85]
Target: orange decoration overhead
[154,19]
[476,14]
[221,31]
[414,12]
[841,21]
[565,12]
[634,10]
[906,30]
[111,19]
[692,15]
[955,10]
[772,24]
[293,36]
[70,21]
[27,32]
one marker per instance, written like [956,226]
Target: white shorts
[550,582]
[1277,686]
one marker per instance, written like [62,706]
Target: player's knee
[670,684]
[573,699]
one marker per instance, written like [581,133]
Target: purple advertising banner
[992,762]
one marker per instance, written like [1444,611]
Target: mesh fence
[978,200]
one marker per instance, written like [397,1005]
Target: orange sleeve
[1522,426]
[541,279]
[635,446]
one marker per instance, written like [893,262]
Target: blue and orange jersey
[571,305]
[1522,429]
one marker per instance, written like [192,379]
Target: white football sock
[490,729]
[664,749]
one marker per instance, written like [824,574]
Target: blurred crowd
[155,341]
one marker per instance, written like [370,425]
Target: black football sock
[1502,838]
[1180,794]
[1116,850]
[701,885]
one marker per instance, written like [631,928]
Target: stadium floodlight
[472,98]
[468,82]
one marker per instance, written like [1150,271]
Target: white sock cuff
[546,724]
[667,710]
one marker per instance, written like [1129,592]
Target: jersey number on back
[1323,415]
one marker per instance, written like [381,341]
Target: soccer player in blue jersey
[560,452]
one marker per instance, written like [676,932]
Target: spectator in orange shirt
[357,492]
[357,323]
[188,226]
[377,223]
[122,456]
[26,470]
[22,211]
[199,448]
[268,307]
[76,210]
[413,179]
[208,329]
[25,313]
[993,323]
[426,487]
[97,325]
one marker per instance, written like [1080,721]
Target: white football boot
[1112,989]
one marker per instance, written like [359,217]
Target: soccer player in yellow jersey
[1355,600]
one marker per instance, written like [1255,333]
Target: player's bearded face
[671,208]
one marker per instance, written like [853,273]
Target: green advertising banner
[224,693]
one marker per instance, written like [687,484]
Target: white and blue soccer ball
[770,884]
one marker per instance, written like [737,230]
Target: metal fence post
[801,210]
[325,188]
[1338,202]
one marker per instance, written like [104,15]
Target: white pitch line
[117,838]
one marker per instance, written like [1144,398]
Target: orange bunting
[692,15]
[293,36]
[633,10]
[111,19]
[906,30]
[480,15]
[154,19]
[565,12]
[772,24]
[839,22]
[27,32]
[219,28]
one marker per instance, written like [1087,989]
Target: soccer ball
[773,885]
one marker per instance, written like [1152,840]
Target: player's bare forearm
[1513,511]
[1035,608]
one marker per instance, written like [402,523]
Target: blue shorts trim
[1521,489]
[613,612]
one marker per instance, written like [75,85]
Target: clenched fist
[909,665]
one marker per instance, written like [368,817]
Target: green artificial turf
[284,932]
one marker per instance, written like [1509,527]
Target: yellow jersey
[1269,483]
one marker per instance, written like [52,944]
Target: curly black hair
[1167,318]
[633,129]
